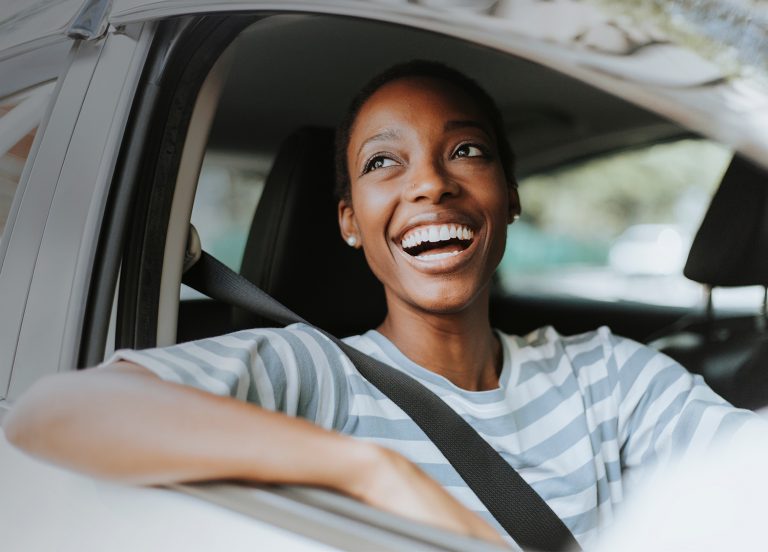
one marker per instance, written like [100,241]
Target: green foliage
[598,199]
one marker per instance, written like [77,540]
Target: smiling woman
[423,157]
[427,192]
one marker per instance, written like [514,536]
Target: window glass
[617,227]
[20,116]
[228,191]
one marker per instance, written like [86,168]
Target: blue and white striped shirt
[576,416]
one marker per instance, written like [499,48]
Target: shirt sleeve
[664,411]
[294,370]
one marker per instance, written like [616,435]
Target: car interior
[269,95]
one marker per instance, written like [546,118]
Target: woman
[426,191]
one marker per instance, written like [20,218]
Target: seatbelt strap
[523,514]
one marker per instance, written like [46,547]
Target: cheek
[486,181]
[373,206]
[494,195]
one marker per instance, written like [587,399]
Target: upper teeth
[436,233]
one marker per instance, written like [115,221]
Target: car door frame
[51,248]
[24,227]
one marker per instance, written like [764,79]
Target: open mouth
[437,241]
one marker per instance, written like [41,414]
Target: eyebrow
[387,134]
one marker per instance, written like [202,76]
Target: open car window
[618,227]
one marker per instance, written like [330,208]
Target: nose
[430,182]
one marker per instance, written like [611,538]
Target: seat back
[731,246]
[295,251]
[730,249]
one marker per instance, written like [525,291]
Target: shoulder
[592,356]
[297,343]
[547,341]
[295,336]
[258,334]
[269,346]
[547,335]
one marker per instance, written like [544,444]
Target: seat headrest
[731,246]
[295,251]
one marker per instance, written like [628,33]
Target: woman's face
[429,200]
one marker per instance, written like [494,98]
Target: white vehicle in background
[651,249]
[123,121]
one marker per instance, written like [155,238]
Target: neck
[458,346]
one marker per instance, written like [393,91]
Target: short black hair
[432,70]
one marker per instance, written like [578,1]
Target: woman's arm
[122,422]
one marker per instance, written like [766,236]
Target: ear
[348,224]
[514,203]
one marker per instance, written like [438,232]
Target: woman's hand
[392,483]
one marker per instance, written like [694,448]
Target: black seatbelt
[523,514]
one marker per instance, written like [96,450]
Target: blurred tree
[598,199]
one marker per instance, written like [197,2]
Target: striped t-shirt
[576,416]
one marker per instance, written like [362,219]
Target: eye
[469,150]
[378,162]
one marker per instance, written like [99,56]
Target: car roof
[702,67]
[550,119]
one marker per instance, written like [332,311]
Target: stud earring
[352,241]
[515,217]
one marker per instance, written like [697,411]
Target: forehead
[412,100]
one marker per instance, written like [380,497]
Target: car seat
[295,251]
[730,249]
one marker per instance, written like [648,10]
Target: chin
[445,301]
